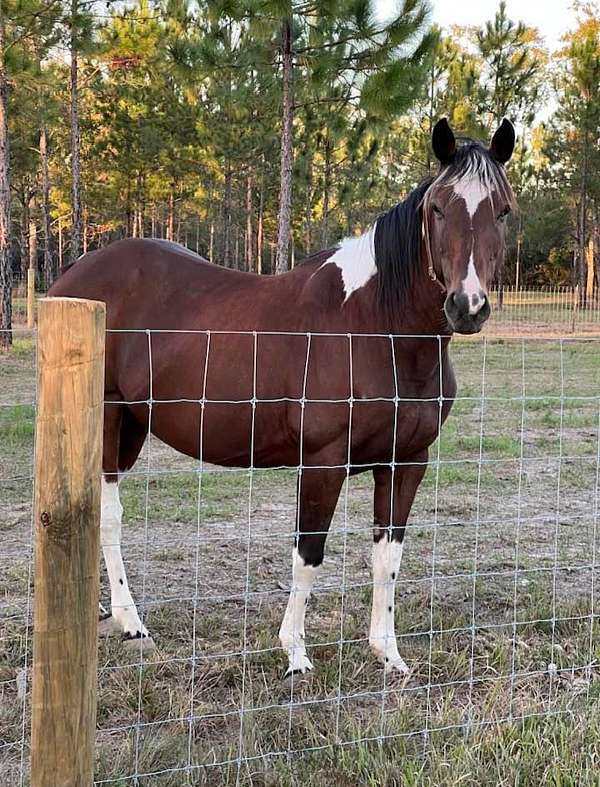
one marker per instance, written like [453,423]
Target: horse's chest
[414,419]
[418,425]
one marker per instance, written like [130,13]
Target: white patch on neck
[473,191]
[356,260]
[472,288]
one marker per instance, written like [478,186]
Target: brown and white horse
[337,367]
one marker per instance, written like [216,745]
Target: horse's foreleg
[124,612]
[122,443]
[393,498]
[318,494]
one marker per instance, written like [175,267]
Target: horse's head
[464,221]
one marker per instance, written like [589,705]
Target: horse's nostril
[477,302]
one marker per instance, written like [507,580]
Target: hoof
[396,667]
[303,666]
[107,625]
[293,674]
[392,663]
[136,642]
[397,672]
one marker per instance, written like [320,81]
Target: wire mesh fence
[496,598]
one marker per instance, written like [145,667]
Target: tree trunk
[211,244]
[171,217]
[581,252]
[129,228]
[518,256]
[227,217]
[49,272]
[249,239]
[60,245]
[75,143]
[140,203]
[590,270]
[308,224]
[5,266]
[259,227]
[285,190]
[24,234]
[32,245]
[582,238]
[326,191]
[596,233]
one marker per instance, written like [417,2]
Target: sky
[552,17]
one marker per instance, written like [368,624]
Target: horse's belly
[226,433]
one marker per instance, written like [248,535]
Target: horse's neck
[419,313]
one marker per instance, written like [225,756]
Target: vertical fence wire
[198,542]
[518,523]
[470,709]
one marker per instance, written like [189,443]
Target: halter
[430,269]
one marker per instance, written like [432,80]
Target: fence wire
[496,599]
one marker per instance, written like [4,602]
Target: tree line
[256,132]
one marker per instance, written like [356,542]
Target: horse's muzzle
[460,315]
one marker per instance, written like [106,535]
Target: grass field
[497,602]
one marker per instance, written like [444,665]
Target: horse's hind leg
[318,494]
[123,440]
[393,499]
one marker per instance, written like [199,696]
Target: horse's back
[134,267]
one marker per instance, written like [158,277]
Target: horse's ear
[443,141]
[503,142]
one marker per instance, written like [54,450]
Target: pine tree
[5,264]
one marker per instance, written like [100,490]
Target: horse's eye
[503,214]
[437,211]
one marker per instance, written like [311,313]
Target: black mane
[397,246]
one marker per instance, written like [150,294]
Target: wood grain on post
[30,297]
[68,463]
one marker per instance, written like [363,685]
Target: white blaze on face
[473,192]
[356,260]
[472,288]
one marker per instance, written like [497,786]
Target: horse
[337,367]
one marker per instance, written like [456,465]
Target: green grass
[481,512]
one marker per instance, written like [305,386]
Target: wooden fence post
[68,457]
[30,297]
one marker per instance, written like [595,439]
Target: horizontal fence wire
[496,595]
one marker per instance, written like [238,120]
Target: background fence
[553,311]
[544,310]
[497,599]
